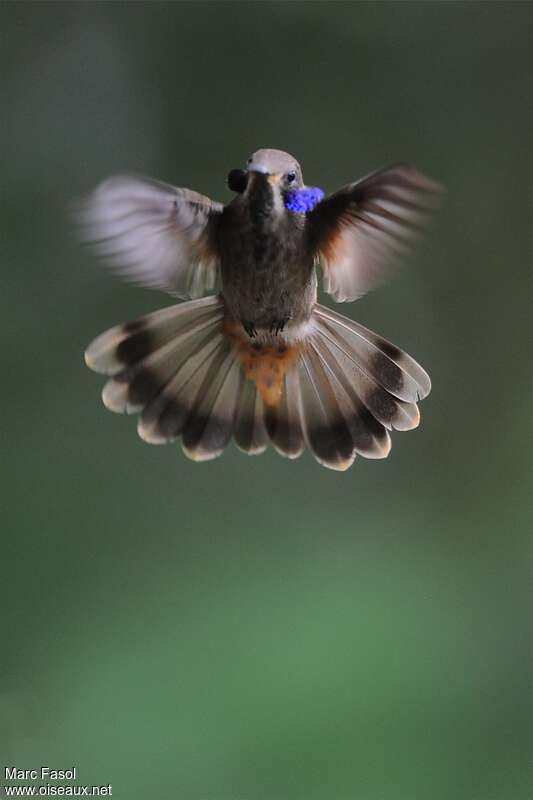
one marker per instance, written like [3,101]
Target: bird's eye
[291,176]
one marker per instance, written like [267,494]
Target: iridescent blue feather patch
[301,201]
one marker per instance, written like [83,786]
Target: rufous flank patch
[265,364]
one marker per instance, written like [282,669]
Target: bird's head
[270,176]
[273,181]
[280,169]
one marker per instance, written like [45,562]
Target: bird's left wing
[154,234]
[359,232]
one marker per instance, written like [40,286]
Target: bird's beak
[273,179]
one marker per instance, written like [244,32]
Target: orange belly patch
[265,364]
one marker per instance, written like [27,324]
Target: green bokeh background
[258,629]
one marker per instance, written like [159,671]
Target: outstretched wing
[154,234]
[359,232]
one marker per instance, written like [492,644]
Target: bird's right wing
[358,232]
[154,234]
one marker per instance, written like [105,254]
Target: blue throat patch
[301,201]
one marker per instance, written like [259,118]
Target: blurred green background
[257,629]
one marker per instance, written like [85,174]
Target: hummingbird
[250,354]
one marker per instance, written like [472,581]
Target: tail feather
[131,389]
[366,390]
[189,373]
[163,418]
[209,426]
[369,436]
[127,344]
[326,426]
[389,366]
[251,435]
[284,420]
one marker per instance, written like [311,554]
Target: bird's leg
[278,325]
[250,329]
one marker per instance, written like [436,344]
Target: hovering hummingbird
[260,361]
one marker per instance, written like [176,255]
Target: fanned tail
[189,372]
[176,369]
[360,386]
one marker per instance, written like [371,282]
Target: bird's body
[267,271]
[261,362]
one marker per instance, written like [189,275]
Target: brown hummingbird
[260,361]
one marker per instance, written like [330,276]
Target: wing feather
[154,234]
[360,232]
